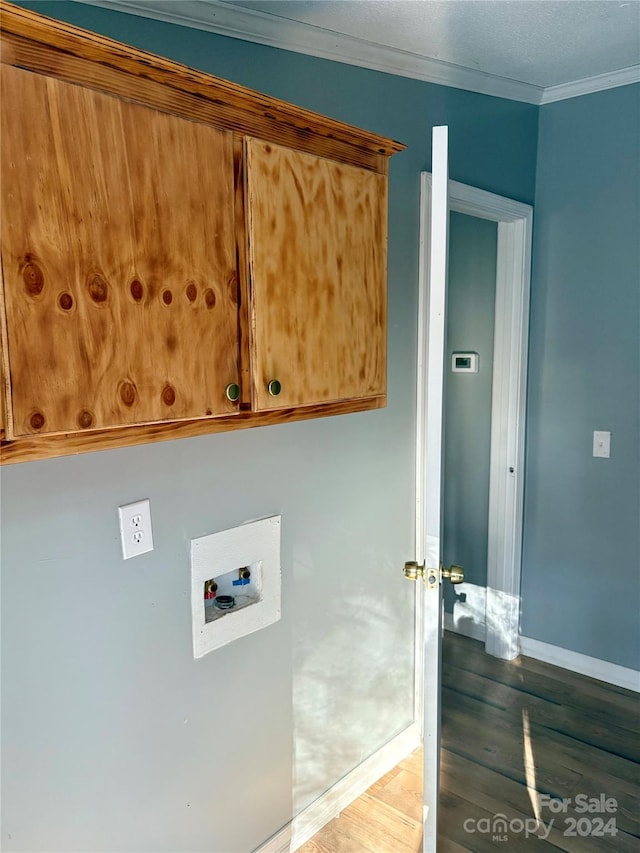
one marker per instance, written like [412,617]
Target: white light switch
[135,529]
[602,444]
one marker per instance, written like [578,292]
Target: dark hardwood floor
[554,754]
[533,742]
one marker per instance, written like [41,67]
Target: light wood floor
[510,731]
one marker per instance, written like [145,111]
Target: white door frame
[508,410]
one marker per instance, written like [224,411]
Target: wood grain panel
[5,390]
[31,448]
[119,260]
[317,248]
[69,53]
[3,394]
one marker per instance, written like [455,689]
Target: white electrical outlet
[135,529]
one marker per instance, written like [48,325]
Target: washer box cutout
[242,564]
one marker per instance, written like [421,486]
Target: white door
[431,340]
[512,292]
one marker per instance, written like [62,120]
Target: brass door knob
[274,387]
[233,392]
[412,571]
[455,574]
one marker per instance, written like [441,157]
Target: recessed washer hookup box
[235,583]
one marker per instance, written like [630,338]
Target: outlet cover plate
[135,529]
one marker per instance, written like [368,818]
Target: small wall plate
[464,362]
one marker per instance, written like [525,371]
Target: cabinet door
[119,260]
[3,418]
[317,238]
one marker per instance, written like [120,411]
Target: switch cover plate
[135,529]
[602,444]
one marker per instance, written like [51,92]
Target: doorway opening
[513,224]
[468,378]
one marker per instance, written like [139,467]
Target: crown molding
[254,26]
[250,25]
[599,83]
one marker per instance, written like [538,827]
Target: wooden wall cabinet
[118,252]
[317,257]
[170,242]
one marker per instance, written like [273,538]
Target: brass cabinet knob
[233,392]
[274,387]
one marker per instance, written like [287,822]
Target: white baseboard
[467,628]
[469,615]
[612,673]
[278,843]
[503,624]
[488,615]
[311,820]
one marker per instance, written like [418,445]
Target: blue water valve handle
[244,576]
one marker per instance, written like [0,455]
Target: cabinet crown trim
[35,42]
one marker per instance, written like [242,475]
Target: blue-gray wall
[471,299]
[581,568]
[114,738]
